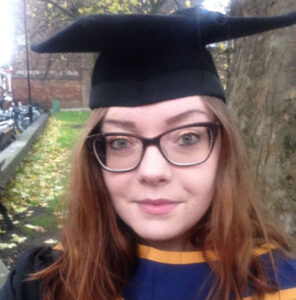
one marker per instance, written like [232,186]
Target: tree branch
[65,11]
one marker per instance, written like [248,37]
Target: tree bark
[262,94]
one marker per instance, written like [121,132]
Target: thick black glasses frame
[214,126]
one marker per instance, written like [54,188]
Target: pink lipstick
[157,206]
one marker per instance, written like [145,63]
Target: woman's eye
[188,139]
[119,144]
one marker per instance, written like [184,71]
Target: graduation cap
[146,59]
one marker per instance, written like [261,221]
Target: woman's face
[161,202]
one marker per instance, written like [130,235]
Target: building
[53,76]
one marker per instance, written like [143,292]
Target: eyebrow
[120,123]
[180,117]
[184,115]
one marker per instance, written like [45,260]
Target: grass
[33,195]
[71,125]
[46,221]
[41,178]
[72,117]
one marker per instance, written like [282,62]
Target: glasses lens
[188,145]
[118,152]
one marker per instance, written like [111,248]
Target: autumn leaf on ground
[42,176]
[18,239]
[30,226]
[51,241]
[7,245]
[40,229]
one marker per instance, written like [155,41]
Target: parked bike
[14,119]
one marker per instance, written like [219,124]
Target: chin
[159,235]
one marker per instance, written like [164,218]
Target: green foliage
[69,10]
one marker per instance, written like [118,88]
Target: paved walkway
[3,273]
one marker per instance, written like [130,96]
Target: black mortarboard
[150,58]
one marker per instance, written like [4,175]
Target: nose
[154,168]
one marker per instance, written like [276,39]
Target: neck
[172,245]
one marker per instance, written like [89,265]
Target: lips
[157,206]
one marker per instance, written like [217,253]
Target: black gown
[31,261]
[160,275]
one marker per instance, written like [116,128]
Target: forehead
[163,111]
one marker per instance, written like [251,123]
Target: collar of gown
[186,257]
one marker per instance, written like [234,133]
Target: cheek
[116,184]
[200,178]
[119,186]
[200,184]
[200,193]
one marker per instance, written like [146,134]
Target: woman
[160,204]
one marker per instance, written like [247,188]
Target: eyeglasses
[184,146]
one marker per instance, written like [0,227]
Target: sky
[6,31]
[6,25]
[216,5]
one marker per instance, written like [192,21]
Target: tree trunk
[262,94]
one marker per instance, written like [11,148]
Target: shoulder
[286,269]
[281,267]
[31,261]
[284,263]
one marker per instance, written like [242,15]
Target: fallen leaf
[30,226]
[7,245]
[50,241]
[40,229]
[18,239]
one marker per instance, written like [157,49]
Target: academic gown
[163,275]
[160,275]
[31,261]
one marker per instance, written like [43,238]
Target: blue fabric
[286,269]
[153,280]
[161,281]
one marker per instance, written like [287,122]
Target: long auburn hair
[99,250]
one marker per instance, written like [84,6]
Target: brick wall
[67,91]
[64,76]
